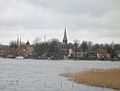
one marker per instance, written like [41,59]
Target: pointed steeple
[65,37]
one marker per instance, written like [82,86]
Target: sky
[90,20]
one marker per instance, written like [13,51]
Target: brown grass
[100,77]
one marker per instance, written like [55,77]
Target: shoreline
[109,78]
[65,60]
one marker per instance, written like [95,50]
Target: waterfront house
[103,54]
[92,54]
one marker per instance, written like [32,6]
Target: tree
[42,48]
[90,45]
[13,44]
[84,46]
[54,48]
[96,47]
[36,46]
[51,48]
[76,45]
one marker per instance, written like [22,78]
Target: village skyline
[56,50]
[45,38]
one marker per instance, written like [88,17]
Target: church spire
[65,37]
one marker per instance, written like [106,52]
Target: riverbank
[109,78]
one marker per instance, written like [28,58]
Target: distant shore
[109,78]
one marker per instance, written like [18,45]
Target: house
[70,53]
[81,54]
[29,52]
[24,49]
[117,54]
[11,53]
[3,50]
[92,54]
[103,54]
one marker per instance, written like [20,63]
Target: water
[43,75]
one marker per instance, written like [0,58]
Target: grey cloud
[94,17]
[92,7]
[48,13]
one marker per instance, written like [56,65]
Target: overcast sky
[91,20]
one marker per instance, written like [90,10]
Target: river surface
[43,75]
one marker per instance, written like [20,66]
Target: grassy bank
[102,78]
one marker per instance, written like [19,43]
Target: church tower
[65,37]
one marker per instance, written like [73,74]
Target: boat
[19,57]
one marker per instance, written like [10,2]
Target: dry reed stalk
[100,77]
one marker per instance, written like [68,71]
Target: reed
[109,78]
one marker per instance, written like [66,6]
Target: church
[67,51]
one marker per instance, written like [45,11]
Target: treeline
[55,49]
[51,48]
